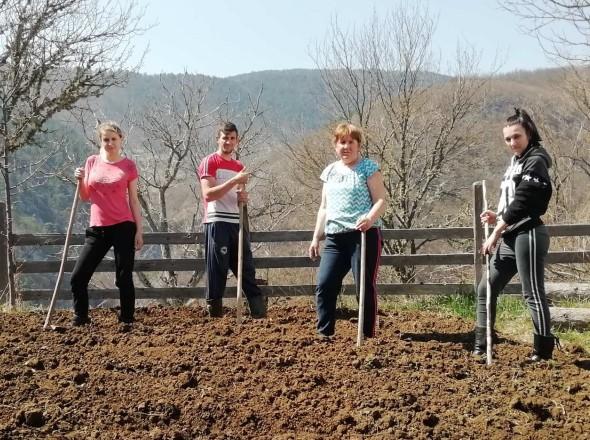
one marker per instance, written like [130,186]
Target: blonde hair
[108,126]
[347,129]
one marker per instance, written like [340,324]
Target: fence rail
[474,234]
[179,238]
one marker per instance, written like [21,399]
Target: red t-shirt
[224,209]
[107,185]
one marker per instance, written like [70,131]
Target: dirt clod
[34,418]
[181,375]
[35,364]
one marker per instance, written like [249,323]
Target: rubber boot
[542,347]
[479,348]
[215,307]
[258,306]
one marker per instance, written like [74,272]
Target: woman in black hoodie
[526,190]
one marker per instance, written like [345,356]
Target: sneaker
[126,321]
[125,327]
[78,321]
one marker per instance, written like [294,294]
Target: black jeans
[99,240]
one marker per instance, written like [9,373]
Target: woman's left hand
[138,241]
[364,223]
[490,244]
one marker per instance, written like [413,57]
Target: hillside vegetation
[293,110]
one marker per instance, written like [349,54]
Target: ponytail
[521,117]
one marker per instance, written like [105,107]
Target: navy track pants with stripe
[523,253]
[221,244]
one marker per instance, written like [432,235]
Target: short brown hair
[347,129]
[227,127]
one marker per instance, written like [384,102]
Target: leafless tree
[382,76]
[54,53]
[172,136]
[562,27]
[171,131]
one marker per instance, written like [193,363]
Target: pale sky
[228,37]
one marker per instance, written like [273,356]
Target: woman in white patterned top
[353,199]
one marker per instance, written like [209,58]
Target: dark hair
[521,117]
[227,127]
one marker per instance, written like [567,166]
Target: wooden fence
[473,258]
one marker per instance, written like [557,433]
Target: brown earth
[180,375]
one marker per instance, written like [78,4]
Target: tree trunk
[171,279]
[9,235]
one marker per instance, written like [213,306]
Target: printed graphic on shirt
[525,190]
[508,185]
[224,209]
[347,195]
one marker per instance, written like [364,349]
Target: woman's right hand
[314,249]
[488,217]
[79,173]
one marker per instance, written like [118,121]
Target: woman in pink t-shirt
[109,181]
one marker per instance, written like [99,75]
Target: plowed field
[178,374]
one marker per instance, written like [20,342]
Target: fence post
[4,255]
[477,232]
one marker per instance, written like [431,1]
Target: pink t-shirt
[107,186]
[224,209]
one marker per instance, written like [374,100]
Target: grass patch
[460,304]
[512,316]
[572,303]
[574,337]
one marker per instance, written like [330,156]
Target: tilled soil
[178,374]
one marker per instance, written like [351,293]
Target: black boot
[258,306]
[542,347]
[215,307]
[480,341]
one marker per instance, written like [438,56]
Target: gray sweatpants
[525,253]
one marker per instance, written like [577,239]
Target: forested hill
[290,99]
[294,98]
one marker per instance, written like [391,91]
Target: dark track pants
[221,244]
[523,253]
[99,240]
[341,253]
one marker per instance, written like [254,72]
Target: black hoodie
[526,190]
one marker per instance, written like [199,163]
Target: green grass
[512,319]
[573,303]
[462,305]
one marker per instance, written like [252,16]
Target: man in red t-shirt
[221,176]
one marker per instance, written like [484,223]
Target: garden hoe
[64,258]
[488,286]
[359,337]
[240,265]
